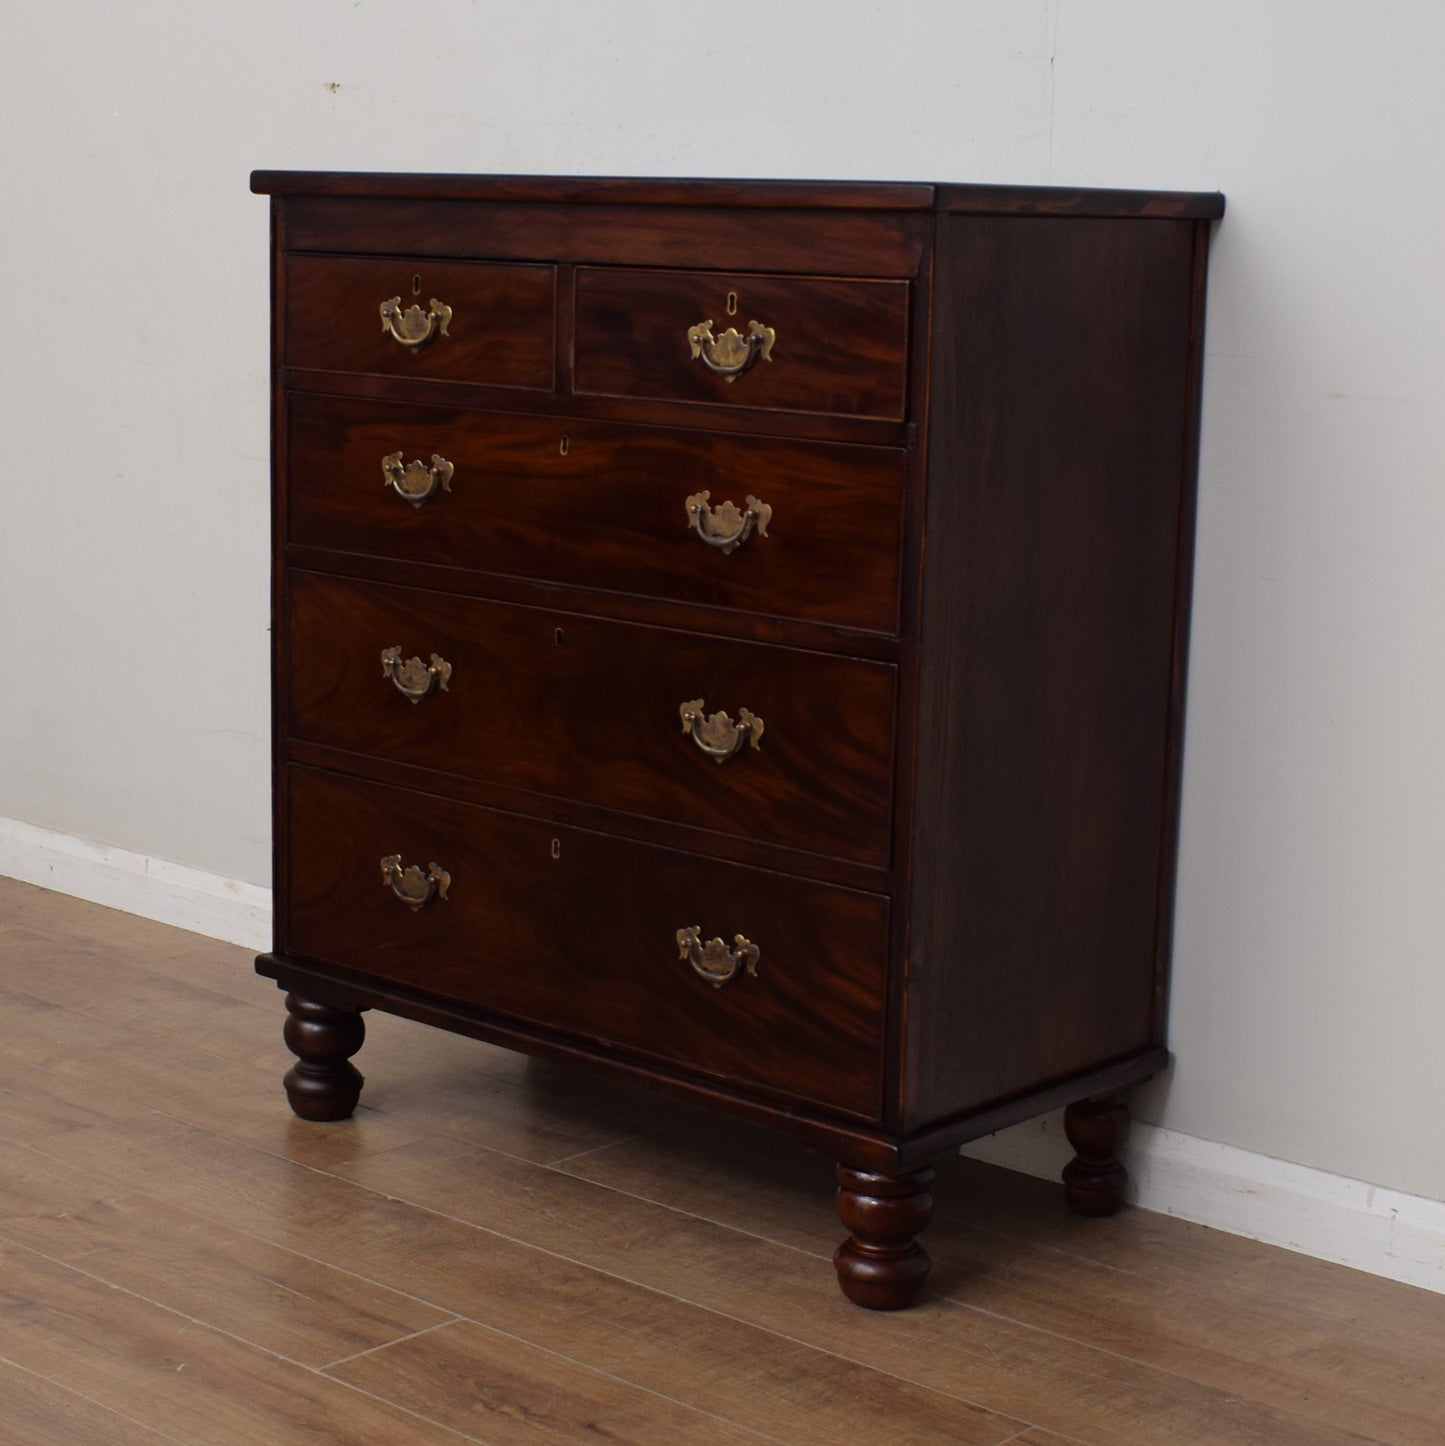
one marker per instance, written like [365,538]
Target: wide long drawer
[793,529]
[791,343]
[458,321]
[594,710]
[579,932]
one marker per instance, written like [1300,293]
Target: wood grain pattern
[1007,1367]
[581,708]
[1049,664]
[502,1390]
[841,345]
[970,712]
[693,1268]
[38,1412]
[806,1023]
[144,1361]
[285,1302]
[1203,1315]
[796,237]
[608,512]
[500,332]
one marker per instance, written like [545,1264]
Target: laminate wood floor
[501,1250]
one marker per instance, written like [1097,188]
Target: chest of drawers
[734,634]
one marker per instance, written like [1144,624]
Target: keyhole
[559,637]
[566,445]
[732,303]
[556,848]
[416,284]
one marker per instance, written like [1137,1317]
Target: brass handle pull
[731,354]
[416,482]
[413,327]
[714,961]
[410,885]
[718,736]
[414,679]
[723,526]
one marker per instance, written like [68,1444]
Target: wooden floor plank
[990,1361]
[283,1301]
[721,1364]
[37,1103]
[505,1391]
[35,1411]
[188,1380]
[519,1248]
[1264,1346]
[39,923]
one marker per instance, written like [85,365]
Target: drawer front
[498,320]
[836,346]
[586,709]
[605,506]
[577,931]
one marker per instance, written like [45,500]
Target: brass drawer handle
[416,482]
[731,354]
[414,679]
[723,526]
[413,327]
[718,736]
[410,885]
[714,961]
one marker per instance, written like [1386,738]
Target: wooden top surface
[847,195]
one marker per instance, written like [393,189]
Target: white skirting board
[1327,1216]
[153,888]
[1381,1231]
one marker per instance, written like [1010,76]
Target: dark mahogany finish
[500,331]
[1094,1179]
[323,1084]
[571,706]
[964,630]
[841,346]
[577,930]
[881,1264]
[588,504]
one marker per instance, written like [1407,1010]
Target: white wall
[1309,986]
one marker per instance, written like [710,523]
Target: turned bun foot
[881,1265]
[323,1084]
[1094,1180]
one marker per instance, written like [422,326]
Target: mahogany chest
[734,633]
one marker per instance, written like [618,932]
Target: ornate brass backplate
[716,734]
[413,887]
[724,526]
[414,679]
[413,327]
[415,482]
[714,961]
[730,354]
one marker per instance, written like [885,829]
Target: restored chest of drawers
[734,633]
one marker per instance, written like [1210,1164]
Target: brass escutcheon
[731,354]
[714,961]
[718,736]
[415,482]
[723,526]
[414,679]
[414,326]
[413,887]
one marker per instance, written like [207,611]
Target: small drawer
[454,321]
[819,344]
[577,931]
[593,710]
[593,504]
